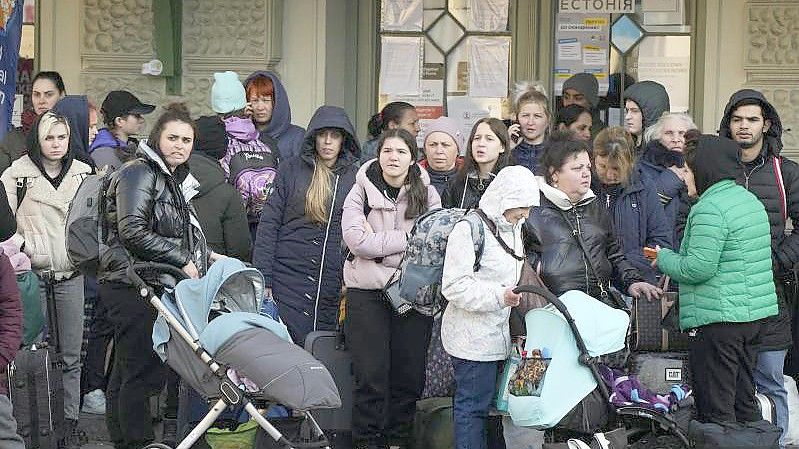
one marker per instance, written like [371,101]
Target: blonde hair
[525,92]
[617,145]
[46,123]
[317,198]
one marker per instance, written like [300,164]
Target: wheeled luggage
[659,371]
[328,348]
[36,387]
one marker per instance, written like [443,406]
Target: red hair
[260,86]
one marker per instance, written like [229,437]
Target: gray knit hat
[586,84]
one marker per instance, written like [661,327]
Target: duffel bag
[752,435]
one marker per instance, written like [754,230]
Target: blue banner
[10,34]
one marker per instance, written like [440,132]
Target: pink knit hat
[448,126]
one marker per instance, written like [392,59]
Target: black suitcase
[36,386]
[328,348]
[658,371]
[753,435]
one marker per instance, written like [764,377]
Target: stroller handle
[133,271]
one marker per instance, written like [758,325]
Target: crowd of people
[323,217]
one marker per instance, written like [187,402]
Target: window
[446,57]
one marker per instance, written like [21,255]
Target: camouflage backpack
[423,262]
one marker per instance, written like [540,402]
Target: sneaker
[94,402]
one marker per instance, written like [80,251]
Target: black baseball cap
[119,103]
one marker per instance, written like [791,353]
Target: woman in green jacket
[726,281]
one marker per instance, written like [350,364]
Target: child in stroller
[209,332]
[574,399]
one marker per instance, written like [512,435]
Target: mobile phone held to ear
[650,253]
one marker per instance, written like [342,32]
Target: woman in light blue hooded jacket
[268,104]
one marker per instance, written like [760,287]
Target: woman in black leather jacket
[150,220]
[568,213]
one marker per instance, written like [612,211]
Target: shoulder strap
[588,262]
[478,238]
[777,162]
[22,189]
[493,228]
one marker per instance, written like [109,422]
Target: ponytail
[391,112]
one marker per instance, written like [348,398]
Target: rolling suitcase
[36,388]
[328,347]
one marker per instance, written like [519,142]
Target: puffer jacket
[466,193]
[10,319]
[219,210]
[724,262]
[42,215]
[150,218]
[475,322]
[549,239]
[377,254]
[638,221]
[653,167]
[528,155]
[760,178]
[301,260]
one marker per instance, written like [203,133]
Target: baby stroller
[573,400]
[209,334]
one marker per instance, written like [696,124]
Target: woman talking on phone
[528,135]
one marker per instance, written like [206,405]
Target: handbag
[656,323]
[529,301]
[392,294]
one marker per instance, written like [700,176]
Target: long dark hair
[391,112]
[503,160]
[570,114]
[55,77]
[417,191]
[561,146]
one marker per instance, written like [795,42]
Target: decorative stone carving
[233,28]
[117,27]
[148,89]
[773,33]
[786,101]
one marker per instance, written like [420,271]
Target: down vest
[42,215]
[549,239]
[724,263]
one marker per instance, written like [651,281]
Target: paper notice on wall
[593,55]
[667,60]
[569,50]
[488,15]
[400,65]
[430,102]
[466,111]
[401,15]
[488,66]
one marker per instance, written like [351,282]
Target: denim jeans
[69,316]
[476,384]
[769,381]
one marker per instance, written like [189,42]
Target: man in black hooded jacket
[752,122]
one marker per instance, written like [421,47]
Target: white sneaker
[94,402]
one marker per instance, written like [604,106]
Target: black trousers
[100,333]
[388,356]
[723,357]
[137,373]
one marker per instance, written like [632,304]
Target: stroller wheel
[156,446]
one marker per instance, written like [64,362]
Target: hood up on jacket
[331,117]
[651,97]
[35,154]
[105,138]
[514,186]
[717,159]
[76,110]
[773,136]
[559,198]
[281,111]
[207,171]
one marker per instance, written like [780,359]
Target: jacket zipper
[579,232]
[748,175]
[324,251]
